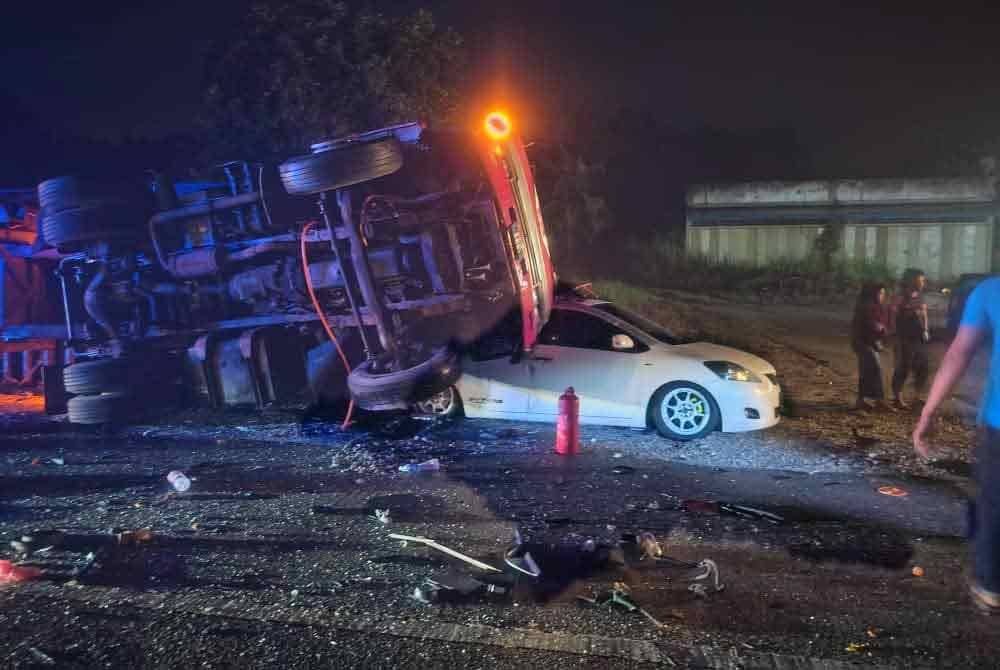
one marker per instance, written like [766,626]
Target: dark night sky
[857,83]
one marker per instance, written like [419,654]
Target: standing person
[868,329]
[912,336]
[980,320]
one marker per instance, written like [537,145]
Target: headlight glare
[732,372]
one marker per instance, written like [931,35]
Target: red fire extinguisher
[568,425]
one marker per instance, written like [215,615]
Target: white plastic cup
[179,481]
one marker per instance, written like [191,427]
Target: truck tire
[400,390]
[342,166]
[97,376]
[70,229]
[62,193]
[98,409]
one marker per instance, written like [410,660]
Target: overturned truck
[362,276]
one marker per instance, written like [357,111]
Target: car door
[574,349]
[494,381]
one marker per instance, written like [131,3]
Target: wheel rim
[686,411]
[439,403]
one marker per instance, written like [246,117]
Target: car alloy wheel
[686,411]
[444,403]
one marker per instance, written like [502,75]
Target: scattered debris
[433,465]
[622,470]
[523,563]
[41,656]
[743,511]
[872,633]
[893,491]
[425,595]
[710,574]
[179,481]
[134,537]
[620,595]
[617,454]
[917,571]
[649,547]
[455,588]
[13,574]
[383,516]
[855,647]
[55,460]
[439,547]
[518,558]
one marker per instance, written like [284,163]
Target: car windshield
[651,328]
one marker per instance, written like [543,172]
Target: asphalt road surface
[274,557]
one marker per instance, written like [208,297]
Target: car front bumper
[747,406]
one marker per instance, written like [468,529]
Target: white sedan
[626,370]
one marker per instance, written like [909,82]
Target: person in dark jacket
[912,336]
[868,329]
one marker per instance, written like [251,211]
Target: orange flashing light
[497,126]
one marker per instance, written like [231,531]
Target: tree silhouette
[303,70]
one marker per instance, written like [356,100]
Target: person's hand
[920,443]
[927,336]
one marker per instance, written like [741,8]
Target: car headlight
[732,372]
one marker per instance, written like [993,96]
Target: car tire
[98,409]
[400,390]
[684,411]
[96,376]
[69,229]
[445,404]
[342,166]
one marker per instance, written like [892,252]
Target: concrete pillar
[949,232]
[882,244]
[860,236]
[995,239]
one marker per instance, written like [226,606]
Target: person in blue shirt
[980,324]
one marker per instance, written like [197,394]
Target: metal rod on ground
[451,552]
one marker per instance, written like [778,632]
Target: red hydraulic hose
[322,317]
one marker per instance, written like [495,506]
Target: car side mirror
[622,342]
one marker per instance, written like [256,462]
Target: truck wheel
[97,409]
[97,376]
[70,229]
[62,193]
[341,166]
[400,390]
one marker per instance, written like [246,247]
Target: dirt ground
[810,347]
[275,558]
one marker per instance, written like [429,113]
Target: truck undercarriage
[385,255]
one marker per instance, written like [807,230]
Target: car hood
[715,352]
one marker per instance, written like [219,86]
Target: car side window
[500,341]
[569,328]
